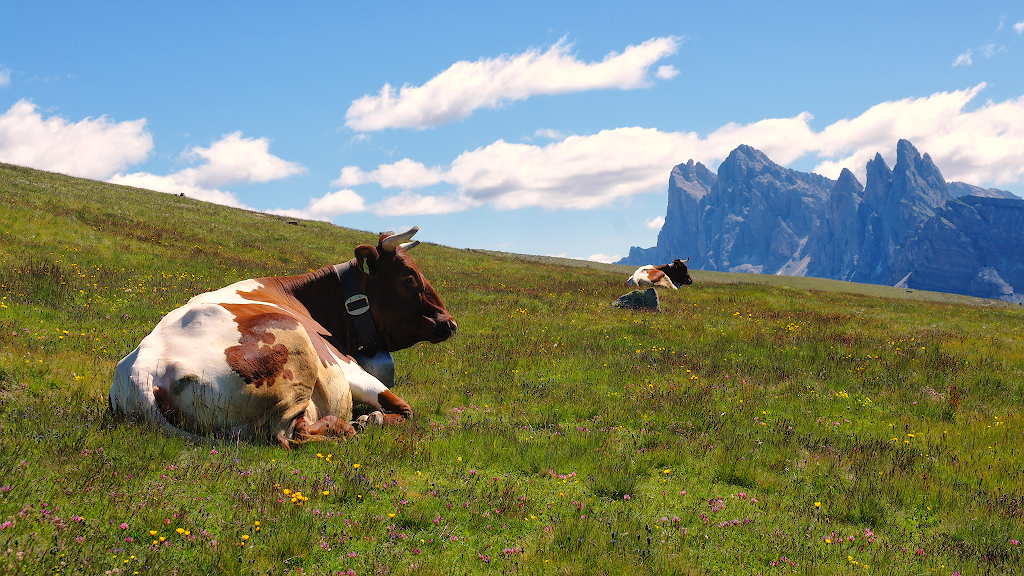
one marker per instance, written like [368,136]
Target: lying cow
[667,275]
[272,358]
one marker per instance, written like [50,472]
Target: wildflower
[355,466]
[625,496]
[152,532]
[817,504]
[180,530]
[123,526]
[327,492]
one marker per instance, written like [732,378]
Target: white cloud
[328,206]
[666,72]
[549,133]
[5,77]
[403,174]
[604,258]
[90,148]
[980,146]
[655,223]
[990,50]
[490,82]
[408,203]
[237,160]
[964,59]
[230,160]
[1019,27]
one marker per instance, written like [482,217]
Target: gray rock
[639,300]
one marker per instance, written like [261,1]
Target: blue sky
[527,127]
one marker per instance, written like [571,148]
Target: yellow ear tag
[366,267]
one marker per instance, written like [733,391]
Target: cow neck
[357,306]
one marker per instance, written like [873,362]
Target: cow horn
[391,243]
[687,260]
[409,245]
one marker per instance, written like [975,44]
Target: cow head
[677,272]
[404,306]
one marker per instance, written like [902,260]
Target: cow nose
[447,327]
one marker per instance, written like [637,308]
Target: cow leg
[367,389]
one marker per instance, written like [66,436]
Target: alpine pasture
[747,428]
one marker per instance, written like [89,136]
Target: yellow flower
[245,536]
[327,492]
[355,465]
[286,491]
[152,532]
[180,530]
[391,515]
[817,504]
[668,470]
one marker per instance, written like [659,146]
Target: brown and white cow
[667,275]
[271,358]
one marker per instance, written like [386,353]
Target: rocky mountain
[905,226]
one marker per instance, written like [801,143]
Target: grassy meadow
[745,429]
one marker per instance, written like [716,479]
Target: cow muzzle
[444,328]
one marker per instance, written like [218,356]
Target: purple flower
[625,496]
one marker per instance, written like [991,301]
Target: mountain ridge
[754,215]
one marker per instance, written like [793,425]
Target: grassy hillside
[746,429]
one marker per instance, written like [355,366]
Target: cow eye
[410,280]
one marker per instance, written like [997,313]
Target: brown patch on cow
[654,275]
[280,292]
[257,359]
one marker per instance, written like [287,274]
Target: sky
[531,127]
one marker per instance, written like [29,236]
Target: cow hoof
[395,418]
[372,419]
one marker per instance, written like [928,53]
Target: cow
[272,358]
[667,275]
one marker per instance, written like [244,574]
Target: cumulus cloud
[1019,27]
[655,223]
[981,146]
[604,258]
[402,174]
[230,160]
[964,59]
[666,72]
[490,82]
[549,133]
[408,203]
[90,148]
[327,207]
[5,77]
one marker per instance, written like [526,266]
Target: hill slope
[745,429]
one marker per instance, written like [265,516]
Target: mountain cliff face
[904,226]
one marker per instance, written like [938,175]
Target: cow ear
[366,258]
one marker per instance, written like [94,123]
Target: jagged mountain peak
[757,216]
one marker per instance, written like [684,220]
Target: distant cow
[271,358]
[667,275]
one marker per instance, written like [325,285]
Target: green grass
[554,434]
